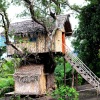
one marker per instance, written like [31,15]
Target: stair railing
[83,66]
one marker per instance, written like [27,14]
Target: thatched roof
[29,26]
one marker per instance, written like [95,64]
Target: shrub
[65,92]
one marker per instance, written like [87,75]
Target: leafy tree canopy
[94,1]
[87,35]
[2,50]
[4,20]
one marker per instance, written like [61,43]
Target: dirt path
[93,99]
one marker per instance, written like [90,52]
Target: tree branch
[41,9]
[56,2]
[6,17]
[3,20]
[18,49]
[28,2]
[71,7]
[31,8]
[6,27]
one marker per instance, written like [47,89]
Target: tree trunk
[51,82]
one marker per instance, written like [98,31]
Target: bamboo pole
[64,72]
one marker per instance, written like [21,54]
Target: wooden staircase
[82,69]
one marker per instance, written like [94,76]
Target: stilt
[76,80]
[64,72]
[72,77]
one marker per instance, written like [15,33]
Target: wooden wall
[30,80]
[40,45]
[58,41]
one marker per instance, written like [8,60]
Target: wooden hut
[35,73]
[30,79]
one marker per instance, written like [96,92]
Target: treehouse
[30,36]
[30,79]
[35,73]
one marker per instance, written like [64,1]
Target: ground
[87,92]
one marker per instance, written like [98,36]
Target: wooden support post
[76,79]
[64,72]
[15,97]
[73,77]
[27,98]
[97,94]
[50,82]
[7,97]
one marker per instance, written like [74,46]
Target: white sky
[73,20]
[78,2]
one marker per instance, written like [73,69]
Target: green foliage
[2,50]
[65,92]
[59,71]
[87,41]
[6,85]
[7,68]
[4,4]
[42,8]
[4,82]
[80,80]
[94,1]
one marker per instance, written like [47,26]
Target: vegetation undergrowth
[7,68]
[65,92]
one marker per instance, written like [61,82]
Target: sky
[2,40]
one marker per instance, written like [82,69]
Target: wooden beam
[64,72]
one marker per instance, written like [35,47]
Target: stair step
[83,70]
[77,66]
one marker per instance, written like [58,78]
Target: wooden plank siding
[58,41]
[41,44]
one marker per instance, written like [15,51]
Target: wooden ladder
[82,69]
